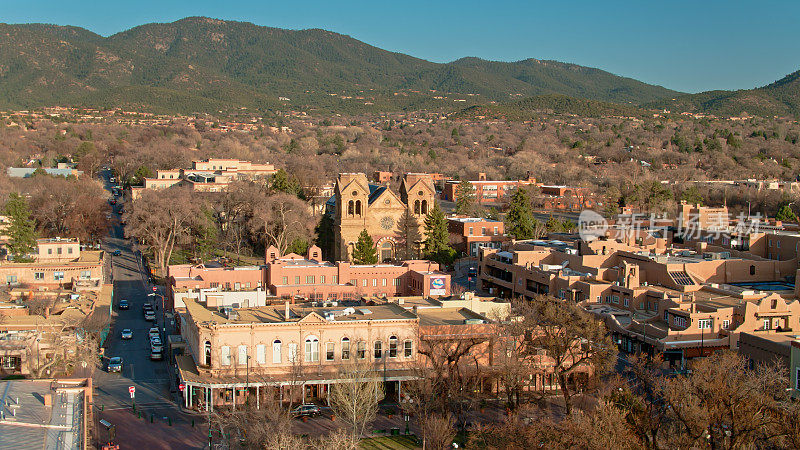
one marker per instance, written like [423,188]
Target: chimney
[286,310]
[46,312]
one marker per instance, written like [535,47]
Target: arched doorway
[386,251]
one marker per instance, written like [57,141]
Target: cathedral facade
[360,205]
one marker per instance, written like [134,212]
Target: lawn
[390,443]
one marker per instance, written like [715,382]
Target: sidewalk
[134,432]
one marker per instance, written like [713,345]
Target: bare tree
[280,219]
[572,340]
[161,219]
[725,404]
[355,398]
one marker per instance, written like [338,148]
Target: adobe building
[296,277]
[678,302]
[57,262]
[210,175]
[359,205]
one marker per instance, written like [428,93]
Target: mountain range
[199,64]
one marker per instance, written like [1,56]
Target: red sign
[181,387]
[132,389]
[155,289]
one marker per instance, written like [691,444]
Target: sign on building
[437,286]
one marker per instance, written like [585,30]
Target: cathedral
[358,204]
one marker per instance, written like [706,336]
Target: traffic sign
[132,390]
[181,387]
[155,289]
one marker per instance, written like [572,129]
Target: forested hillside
[200,64]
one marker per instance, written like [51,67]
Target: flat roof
[276,313]
[36,425]
[446,316]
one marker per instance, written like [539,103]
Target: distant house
[27,172]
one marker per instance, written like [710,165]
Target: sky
[686,45]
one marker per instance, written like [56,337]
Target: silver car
[127,333]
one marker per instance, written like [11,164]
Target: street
[154,396]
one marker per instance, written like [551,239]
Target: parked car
[156,355]
[150,316]
[116,252]
[307,410]
[155,340]
[123,304]
[153,332]
[115,364]
[127,333]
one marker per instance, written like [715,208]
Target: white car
[127,333]
[153,332]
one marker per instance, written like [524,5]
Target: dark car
[115,364]
[117,252]
[306,411]
[123,304]
[472,272]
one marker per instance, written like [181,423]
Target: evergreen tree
[325,236]
[785,214]
[365,252]
[465,198]
[492,214]
[22,230]
[283,182]
[520,222]
[206,236]
[409,231]
[299,246]
[692,195]
[437,238]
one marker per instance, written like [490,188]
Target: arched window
[312,349]
[350,208]
[424,207]
[345,349]
[393,347]
[276,351]
[378,350]
[358,207]
[208,353]
[416,206]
